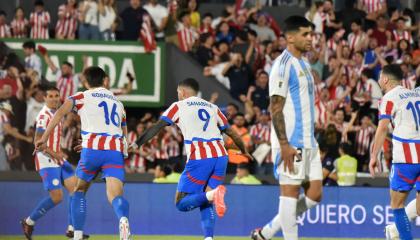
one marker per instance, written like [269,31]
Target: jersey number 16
[114,118]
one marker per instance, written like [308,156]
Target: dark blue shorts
[53,177]
[198,174]
[404,176]
[109,162]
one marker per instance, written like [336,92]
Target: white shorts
[310,168]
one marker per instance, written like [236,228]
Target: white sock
[411,210]
[208,238]
[271,228]
[78,235]
[29,221]
[210,195]
[288,218]
[70,228]
[304,203]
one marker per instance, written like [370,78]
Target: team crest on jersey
[280,84]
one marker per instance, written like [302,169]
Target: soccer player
[103,147]
[294,148]
[202,125]
[51,165]
[399,106]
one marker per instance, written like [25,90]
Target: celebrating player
[294,147]
[401,107]
[103,143]
[201,124]
[51,165]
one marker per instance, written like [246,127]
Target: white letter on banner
[70,59]
[316,212]
[388,215]
[343,213]
[300,219]
[322,213]
[107,63]
[353,214]
[49,75]
[331,213]
[128,66]
[378,218]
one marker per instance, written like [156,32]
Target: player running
[202,125]
[51,165]
[294,147]
[401,107]
[103,144]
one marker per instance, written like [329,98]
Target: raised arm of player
[379,140]
[61,112]
[151,132]
[238,141]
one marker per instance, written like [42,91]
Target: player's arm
[151,132]
[58,157]
[238,141]
[378,142]
[61,112]
[49,62]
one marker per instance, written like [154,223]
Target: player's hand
[372,164]
[288,154]
[40,145]
[78,147]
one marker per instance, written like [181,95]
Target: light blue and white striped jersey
[291,78]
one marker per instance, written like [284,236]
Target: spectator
[32,61]
[381,33]
[400,33]
[159,15]
[107,19]
[240,44]
[12,80]
[88,29]
[244,177]
[34,105]
[259,94]
[263,31]
[206,24]
[19,24]
[39,21]
[194,14]
[239,75]
[186,34]
[161,172]
[368,93]
[224,34]
[357,39]
[67,20]
[132,19]
[175,174]
[260,134]
[4,28]
[345,167]
[315,15]
[327,167]
[234,153]
[204,52]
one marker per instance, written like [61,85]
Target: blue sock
[69,209]
[192,201]
[78,210]
[402,223]
[207,219]
[121,207]
[43,206]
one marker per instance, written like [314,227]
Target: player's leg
[391,231]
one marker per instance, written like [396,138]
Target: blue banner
[344,212]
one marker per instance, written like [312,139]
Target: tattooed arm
[238,141]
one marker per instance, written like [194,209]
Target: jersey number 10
[114,118]
[415,109]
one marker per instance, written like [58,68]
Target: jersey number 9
[205,117]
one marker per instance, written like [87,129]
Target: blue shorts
[198,174]
[404,176]
[109,162]
[53,177]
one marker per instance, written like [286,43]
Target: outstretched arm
[151,132]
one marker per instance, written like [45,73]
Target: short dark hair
[39,3]
[346,147]
[190,83]
[2,13]
[234,106]
[183,14]
[94,76]
[367,73]
[243,166]
[51,88]
[68,64]
[294,23]
[207,14]
[165,169]
[204,37]
[29,44]
[393,70]
[357,21]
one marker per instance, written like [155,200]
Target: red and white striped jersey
[5,31]
[355,39]
[67,22]
[372,5]
[186,38]
[147,35]
[39,23]
[10,151]
[201,123]
[161,150]
[260,132]
[398,36]
[67,85]
[364,137]
[401,106]
[68,137]
[102,117]
[19,28]
[321,111]
[3,120]
[136,161]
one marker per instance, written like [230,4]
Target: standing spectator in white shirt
[264,32]
[4,28]
[67,21]
[32,61]
[88,29]
[107,16]
[34,105]
[39,21]
[159,15]
[19,24]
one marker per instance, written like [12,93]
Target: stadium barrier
[345,212]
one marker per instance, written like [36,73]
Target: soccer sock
[288,217]
[121,207]
[208,238]
[210,195]
[271,228]
[78,235]
[43,206]
[304,203]
[411,210]
[78,207]
[70,227]
[207,220]
[192,201]
[402,223]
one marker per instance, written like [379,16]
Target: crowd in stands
[237,48]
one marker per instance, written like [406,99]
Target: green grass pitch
[141,237]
